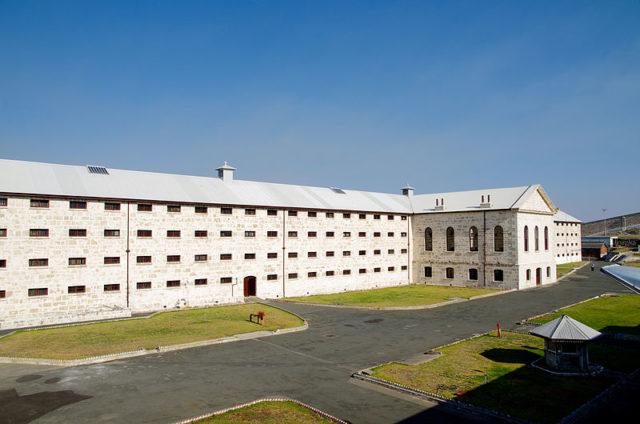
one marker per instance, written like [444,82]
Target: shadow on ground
[16,409]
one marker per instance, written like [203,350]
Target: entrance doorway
[249,286]
[538,276]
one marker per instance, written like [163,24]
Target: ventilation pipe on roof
[225,172]
[408,190]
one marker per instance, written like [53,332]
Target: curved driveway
[313,366]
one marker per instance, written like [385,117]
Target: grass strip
[412,295]
[512,386]
[167,328]
[268,412]
[609,314]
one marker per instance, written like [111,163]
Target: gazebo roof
[565,328]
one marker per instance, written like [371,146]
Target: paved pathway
[312,366]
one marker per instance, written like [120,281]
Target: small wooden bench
[259,318]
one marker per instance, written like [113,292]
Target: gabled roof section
[36,178]
[565,328]
[562,216]
[468,201]
[529,201]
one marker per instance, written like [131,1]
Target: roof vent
[225,172]
[337,190]
[407,190]
[486,204]
[440,204]
[93,169]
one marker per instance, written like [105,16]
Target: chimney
[225,172]
[407,190]
[439,204]
[486,204]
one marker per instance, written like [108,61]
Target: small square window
[376,216]
[390,217]
[312,254]
[272,212]
[3,294]
[390,234]
[250,234]
[144,233]
[427,271]
[329,214]
[201,233]
[362,216]
[3,263]
[272,234]
[143,285]
[329,273]
[226,234]
[498,275]
[143,259]
[77,261]
[200,258]
[112,233]
[250,211]
[111,287]
[312,214]
[391,268]
[312,234]
[292,255]
[111,260]
[76,289]
[77,232]
[346,253]
[403,234]
[200,281]
[403,217]
[3,232]
[403,267]
[292,234]
[3,201]
[312,274]
[226,211]
[330,234]
[225,256]
[144,207]
[173,283]
[173,233]
[376,252]
[362,271]
[38,292]
[376,234]
[391,251]
[201,209]
[272,255]
[173,208]
[346,272]
[362,252]
[403,251]
[292,213]
[330,253]
[346,234]
[292,275]
[272,277]
[249,255]
[77,204]
[226,280]
[378,269]
[362,234]
[38,203]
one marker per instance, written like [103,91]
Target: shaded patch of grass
[268,413]
[634,264]
[612,314]
[563,269]
[412,295]
[164,329]
[513,387]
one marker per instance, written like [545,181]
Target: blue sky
[369,95]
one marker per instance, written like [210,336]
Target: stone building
[85,242]
[568,238]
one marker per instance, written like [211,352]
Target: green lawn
[268,413]
[513,387]
[413,295]
[612,314]
[635,264]
[164,329]
[563,269]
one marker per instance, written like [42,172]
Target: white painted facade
[180,252]
[568,238]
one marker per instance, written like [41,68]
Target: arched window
[473,239]
[498,239]
[526,238]
[546,238]
[428,239]
[536,238]
[450,240]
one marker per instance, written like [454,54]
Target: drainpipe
[484,248]
[409,249]
[128,254]
[284,231]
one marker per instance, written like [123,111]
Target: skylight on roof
[337,190]
[97,170]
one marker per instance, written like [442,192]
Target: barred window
[312,214]
[226,211]
[38,292]
[250,234]
[272,255]
[77,232]
[225,256]
[111,260]
[498,239]
[76,289]
[272,234]
[111,287]
[143,259]
[226,280]
[272,212]
[201,209]
[38,203]
[144,233]
[144,207]
[77,204]
[200,258]
[112,233]
[272,277]
[292,213]
[226,234]
[173,208]
[249,255]
[143,285]
[173,233]
[201,233]
[111,206]
[200,281]
[250,211]
[39,262]
[173,283]
[77,261]
[450,240]
[39,232]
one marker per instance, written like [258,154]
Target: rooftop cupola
[225,172]
[408,190]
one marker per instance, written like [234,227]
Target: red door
[538,276]
[250,286]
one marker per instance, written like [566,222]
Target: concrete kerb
[160,349]
[572,304]
[571,272]
[396,308]
[269,399]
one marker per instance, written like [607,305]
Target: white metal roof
[37,178]
[562,216]
[565,328]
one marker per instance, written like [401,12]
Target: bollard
[498,329]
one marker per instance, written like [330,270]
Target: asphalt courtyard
[313,366]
